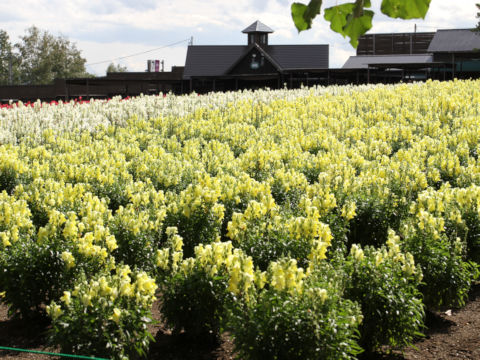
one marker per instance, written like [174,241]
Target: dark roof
[211,60]
[216,60]
[455,40]
[363,61]
[262,51]
[257,26]
[291,57]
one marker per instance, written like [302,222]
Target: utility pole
[190,43]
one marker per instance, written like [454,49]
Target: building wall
[244,66]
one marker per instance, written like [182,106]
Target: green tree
[116,68]
[478,17]
[44,57]
[8,60]
[353,19]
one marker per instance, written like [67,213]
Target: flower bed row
[312,224]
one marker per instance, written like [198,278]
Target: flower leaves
[352,19]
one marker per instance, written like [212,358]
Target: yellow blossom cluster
[112,294]
[284,275]
[15,220]
[293,164]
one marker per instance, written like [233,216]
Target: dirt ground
[451,334]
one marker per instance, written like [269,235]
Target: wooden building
[380,58]
[442,55]
[256,64]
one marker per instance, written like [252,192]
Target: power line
[140,53]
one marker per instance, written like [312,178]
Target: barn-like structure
[255,64]
[380,58]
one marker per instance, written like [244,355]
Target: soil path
[451,335]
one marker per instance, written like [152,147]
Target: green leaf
[357,26]
[298,10]
[405,9]
[350,19]
[303,15]
[337,16]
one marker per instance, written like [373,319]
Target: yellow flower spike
[54,311]
[68,259]
[322,295]
[116,316]
[111,243]
[66,298]
[357,252]
[5,240]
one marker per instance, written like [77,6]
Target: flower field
[316,223]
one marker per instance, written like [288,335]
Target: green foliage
[447,277]
[137,241]
[8,179]
[405,9]
[106,316]
[36,271]
[197,215]
[303,14]
[116,68]
[478,17]
[41,57]
[8,60]
[349,19]
[385,284]
[316,323]
[352,19]
[265,239]
[194,302]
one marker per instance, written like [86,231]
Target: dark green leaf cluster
[90,329]
[279,325]
[353,19]
[392,307]
[195,303]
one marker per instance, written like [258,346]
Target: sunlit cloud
[108,29]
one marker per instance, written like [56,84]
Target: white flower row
[30,121]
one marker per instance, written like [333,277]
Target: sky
[106,30]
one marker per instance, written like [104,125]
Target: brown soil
[450,335]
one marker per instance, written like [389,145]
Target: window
[254,65]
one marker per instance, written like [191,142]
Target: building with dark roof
[380,58]
[256,64]
[445,54]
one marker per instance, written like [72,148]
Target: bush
[13,170]
[447,277]
[296,319]
[197,215]
[35,270]
[105,316]
[266,236]
[138,236]
[194,303]
[196,290]
[385,284]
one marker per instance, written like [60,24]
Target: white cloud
[107,29]
[97,52]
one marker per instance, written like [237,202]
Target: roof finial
[257,27]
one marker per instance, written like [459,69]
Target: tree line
[40,57]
